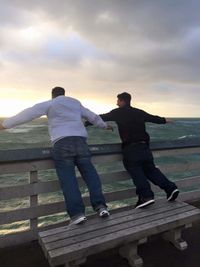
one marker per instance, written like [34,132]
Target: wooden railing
[174,157]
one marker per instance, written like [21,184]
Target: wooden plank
[111,177]
[56,207]
[18,191]
[47,209]
[183,183]
[25,235]
[26,166]
[20,167]
[188,182]
[158,205]
[190,196]
[91,224]
[175,144]
[176,152]
[31,213]
[28,235]
[11,192]
[119,225]
[183,167]
[35,165]
[101,149]
[106,158]
[33,198]
[60,255]
[25,154]
[48,164]
[120,195]
[181,216]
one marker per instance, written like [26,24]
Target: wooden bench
[70,245]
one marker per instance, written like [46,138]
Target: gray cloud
[147,42]
[143,40]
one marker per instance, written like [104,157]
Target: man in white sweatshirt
[68,136]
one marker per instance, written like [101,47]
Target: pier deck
[156,253]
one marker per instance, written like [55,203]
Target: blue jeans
[69,152]
[138,161]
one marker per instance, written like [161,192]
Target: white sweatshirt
[64,117]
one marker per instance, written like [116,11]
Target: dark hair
[126,97]
[56,91]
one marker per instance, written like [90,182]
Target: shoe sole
[173,195]
[152,201]
[79,221]
[104,214]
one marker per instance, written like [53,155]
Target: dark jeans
[138,161]
[68,153]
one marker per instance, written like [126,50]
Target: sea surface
[35,134]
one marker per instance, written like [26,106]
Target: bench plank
[140,212]
[108,226]
[72,243]
[110,229]
[98,244]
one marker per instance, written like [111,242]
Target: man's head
[57,91]
[123,99]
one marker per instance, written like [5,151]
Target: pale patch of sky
[100,47]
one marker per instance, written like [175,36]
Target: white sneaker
[103,212]
[80,219]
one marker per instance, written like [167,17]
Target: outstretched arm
[108,116]
[95,119]
[153,118]
[27,115]
[105,117]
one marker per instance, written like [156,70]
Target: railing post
[33,199]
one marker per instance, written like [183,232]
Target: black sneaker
[144,202]
[171,196]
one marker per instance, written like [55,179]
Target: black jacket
[131,123]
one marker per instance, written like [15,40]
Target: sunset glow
[98,51]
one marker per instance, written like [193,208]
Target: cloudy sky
[96,49]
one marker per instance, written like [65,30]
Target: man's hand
[109,127]
[2,127]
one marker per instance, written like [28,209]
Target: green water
[35,134]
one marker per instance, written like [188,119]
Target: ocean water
[35,134]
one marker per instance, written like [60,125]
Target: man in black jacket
[137,157]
